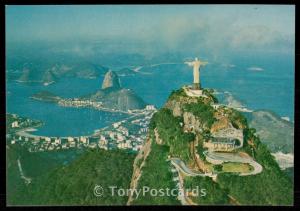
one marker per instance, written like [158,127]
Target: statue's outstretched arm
[189,63]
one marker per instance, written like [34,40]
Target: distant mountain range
[275,132]
[51,73]
[47,75]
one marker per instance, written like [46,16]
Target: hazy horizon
[170,27]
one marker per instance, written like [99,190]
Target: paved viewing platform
[193,92]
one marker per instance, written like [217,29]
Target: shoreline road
[218,157]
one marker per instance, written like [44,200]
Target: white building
[112,135]
[57,141]
[150,107]
[124,130]
[143,130]
[120,137]
[15,124]
[103,142]
[84,140]
[70,139]
[116,124]
[215,106]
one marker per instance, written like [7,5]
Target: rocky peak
[111,79]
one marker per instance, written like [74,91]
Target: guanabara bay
[150,105]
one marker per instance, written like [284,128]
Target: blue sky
[230,26]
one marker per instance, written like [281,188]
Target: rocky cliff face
[177,105]
[121,99]
[111,79]
[222,123]
[138,164]
[112,95]
[191,122]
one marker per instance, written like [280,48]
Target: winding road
[220,157]
[180,165]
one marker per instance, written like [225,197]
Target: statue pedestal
[196,86]
[191,92]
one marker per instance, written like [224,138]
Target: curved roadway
[179,164]
[229,157]
[218,157]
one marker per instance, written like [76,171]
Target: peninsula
[110,97]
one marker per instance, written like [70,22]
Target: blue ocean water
[268,84]
[59,121]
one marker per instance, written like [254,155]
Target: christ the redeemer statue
[196,71]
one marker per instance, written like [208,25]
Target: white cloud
[257,69]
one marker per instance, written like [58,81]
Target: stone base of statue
[196,86]
[191,92]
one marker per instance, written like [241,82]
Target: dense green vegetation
[209,93]
[171,133]
[237,119]
[203,111]
[200,151]
[74,184]
[33,165]
[235,167]
[176,94]
[214,195]
[290,173]
[156,174]
[271,187]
